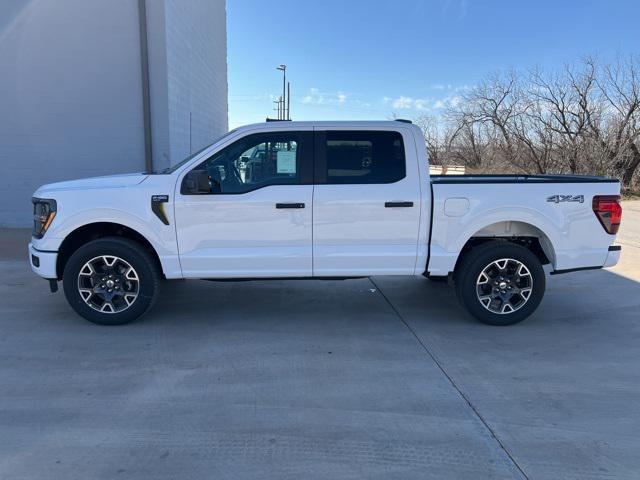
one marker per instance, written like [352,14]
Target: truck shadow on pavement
[576,298]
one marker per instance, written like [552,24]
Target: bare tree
[618,131]
[563,104]
[494,104]
[581,119]
[431,129]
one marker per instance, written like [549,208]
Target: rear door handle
[398,204]
[289,205]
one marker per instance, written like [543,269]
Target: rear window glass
[364,157]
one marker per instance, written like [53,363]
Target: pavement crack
[467,400]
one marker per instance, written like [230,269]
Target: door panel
[253,216]
[246,235]
[364,229]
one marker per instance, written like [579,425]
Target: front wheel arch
[97,230]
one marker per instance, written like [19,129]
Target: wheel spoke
[108,307]
[502,264]
[131,274]
[506,308]
[87,270]
[108,260]
[523,271]
[85,293]
[485,300]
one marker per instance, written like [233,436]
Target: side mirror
[196,182]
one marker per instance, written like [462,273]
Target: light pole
[285,111]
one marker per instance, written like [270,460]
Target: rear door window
[363,157]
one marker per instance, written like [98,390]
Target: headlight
[44,211]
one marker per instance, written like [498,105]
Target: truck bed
[453,179]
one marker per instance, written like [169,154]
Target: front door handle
[289,205]
[398,204]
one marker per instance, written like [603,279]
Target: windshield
[173,168]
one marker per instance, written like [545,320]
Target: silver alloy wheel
[108,284]
[504,286]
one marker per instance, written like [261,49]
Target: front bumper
[43,263]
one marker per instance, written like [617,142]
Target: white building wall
[70,96]
[188,70]
[197,74]
[71,89]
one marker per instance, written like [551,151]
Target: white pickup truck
[322,200]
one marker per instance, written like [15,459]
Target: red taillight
[609,211]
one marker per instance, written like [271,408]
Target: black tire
[469,290]
[129,254]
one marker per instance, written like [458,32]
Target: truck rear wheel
[111,281]
[500,283]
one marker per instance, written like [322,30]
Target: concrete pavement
[382,378]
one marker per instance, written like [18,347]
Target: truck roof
[327,123]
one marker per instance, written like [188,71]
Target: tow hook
[53,285]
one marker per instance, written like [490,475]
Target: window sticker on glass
[286,161]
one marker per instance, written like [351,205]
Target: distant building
[73,89]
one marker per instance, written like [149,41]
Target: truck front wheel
[111,281]
[500,283]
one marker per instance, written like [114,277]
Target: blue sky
[355,59]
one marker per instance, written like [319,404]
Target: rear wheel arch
[521,233]
[94,231]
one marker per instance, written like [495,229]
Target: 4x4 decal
[565,198]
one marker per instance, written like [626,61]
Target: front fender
[161,237]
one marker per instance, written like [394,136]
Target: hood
[108,181]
